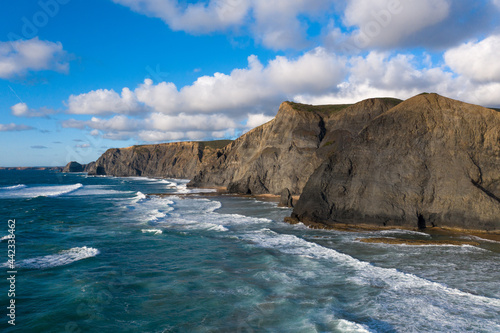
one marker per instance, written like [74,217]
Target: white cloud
[14,127]
[162,127]
[158,127]
[104,101]
[476,60]
[184,122]
[23,56]
[277,24]
[387,22]
[201,17]
[225,105]
[117,123]
[255,88]
[380,74]
[22,110]
[255,120]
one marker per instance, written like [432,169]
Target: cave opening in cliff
[421,222]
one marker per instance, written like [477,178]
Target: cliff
[429,161]
[175,160]
[284,152]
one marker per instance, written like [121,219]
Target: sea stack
[73,167]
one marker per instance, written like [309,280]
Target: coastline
[449,235]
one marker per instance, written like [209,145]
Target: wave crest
[65,257]
[39,191]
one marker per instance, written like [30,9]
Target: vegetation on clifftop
[333,108]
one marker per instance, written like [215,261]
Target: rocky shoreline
[446,236]
[426,162]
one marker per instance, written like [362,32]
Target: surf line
[11,272]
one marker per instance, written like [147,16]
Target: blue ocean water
[96,254]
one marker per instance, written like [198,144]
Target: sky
[80,76]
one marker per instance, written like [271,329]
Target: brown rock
[286,199]
[284,152]
[430,161]
[175,160]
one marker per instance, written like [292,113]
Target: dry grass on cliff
[319,108]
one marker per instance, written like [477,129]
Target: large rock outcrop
[77,167]
[284,152]
[73,167]
[175,160]
[429,161]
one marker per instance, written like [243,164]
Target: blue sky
[78,77]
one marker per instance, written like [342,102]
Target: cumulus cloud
[253,89]
[201,17]
[277,24]
[14,127]
[104,101]
[22,110]
[23,56]
[386,22]
[364,24]
[255,120]
[382,74]
[162,127]
[315,72]
[476,60]
[225,105]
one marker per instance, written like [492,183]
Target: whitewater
[101,254]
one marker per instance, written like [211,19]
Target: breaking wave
[62,258]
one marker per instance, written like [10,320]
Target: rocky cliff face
[430,161]
[284,152]
[175,160]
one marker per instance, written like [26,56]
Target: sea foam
[39,191]
[15,187]
[62,258]
[422,301]
[152,231]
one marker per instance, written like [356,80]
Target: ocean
[98,254]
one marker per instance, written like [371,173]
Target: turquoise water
[95,254]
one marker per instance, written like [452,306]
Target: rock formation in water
[286,199]
[284,152]
[74,167]
[174,160]
[429,161]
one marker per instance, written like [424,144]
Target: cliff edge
[284,152]
[429,161]
[174,160]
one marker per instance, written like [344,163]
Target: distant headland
[33,168]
